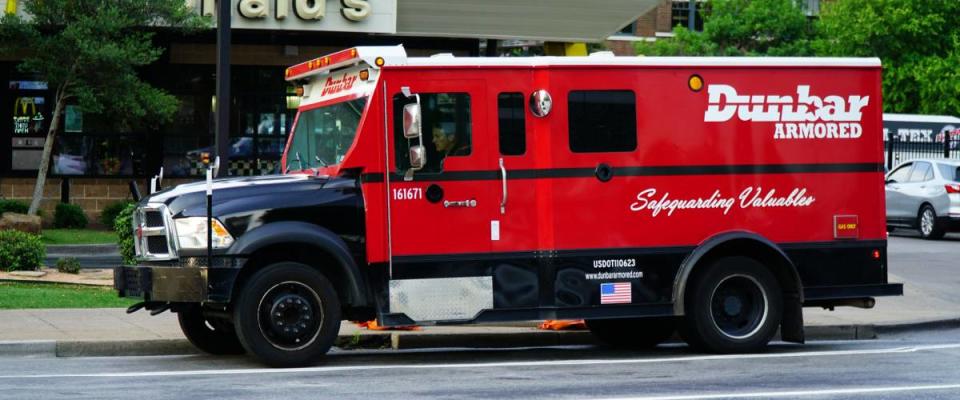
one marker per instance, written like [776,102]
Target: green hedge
[15,206]
[21,251]
[69,216]
[124,228]
[108,217]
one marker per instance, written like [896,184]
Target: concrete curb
[416,340]
[82,249]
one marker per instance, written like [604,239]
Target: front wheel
[288,315]
[211,335]
[637,333]
[733,306]
[928,225]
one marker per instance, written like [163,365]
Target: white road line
[800,393]
[895,350]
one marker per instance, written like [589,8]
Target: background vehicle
[924,194]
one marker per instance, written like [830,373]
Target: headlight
[192,233]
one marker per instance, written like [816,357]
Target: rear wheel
[928,225]
[639,333]
[288,315]
[211,335]
[733,306]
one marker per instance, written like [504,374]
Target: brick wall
[89,193]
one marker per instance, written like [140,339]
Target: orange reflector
[205,158]
[353,52]
[695,82]
[379,61]
[876,254]
[364,75]
[218,228]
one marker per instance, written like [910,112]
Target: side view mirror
[411,121]
[889,181]
[418,158]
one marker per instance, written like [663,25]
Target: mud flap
[791,327]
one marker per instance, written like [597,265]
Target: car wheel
[288,315]
[733,306]
[211,335]
[637,333]
[928,225]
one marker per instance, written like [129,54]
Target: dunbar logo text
[805,116]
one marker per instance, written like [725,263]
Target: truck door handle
[461,203]
[503,175]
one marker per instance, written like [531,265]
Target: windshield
[323,135]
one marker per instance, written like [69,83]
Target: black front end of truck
[285,254]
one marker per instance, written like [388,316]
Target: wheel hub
[732,306]
[738,306]
[290,315]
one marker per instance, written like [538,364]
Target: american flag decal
[615,293]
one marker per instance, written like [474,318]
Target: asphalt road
[931,264]
[919,365]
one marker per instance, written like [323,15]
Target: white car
[924,195]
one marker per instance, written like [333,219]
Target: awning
[550,20]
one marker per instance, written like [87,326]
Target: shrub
[21,251]
[68,265]
[14,206]
[108,217]
[123,226]
[69,216]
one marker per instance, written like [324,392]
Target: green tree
[88,52]
[918,42]
[742,28]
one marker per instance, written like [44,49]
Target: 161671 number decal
[407,193]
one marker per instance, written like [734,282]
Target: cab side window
[510,120]
[446,126]
[900,175]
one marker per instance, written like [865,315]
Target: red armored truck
[711,196]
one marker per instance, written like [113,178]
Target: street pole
[692,16]
[222,138]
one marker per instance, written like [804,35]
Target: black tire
[928,225]
[734,305]
[211,335]
[287,315]
[635,333]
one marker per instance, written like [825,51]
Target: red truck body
[773,159]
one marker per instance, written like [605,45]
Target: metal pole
[222,138]
[891,141]
[692,16]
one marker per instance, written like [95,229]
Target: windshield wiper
[299,161]
[322,163]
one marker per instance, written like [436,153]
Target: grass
[78,236]
[18,295]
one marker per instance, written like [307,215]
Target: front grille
[157,244]
[154,219]
[152,233]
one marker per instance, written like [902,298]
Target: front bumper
[167,284]
[186,281]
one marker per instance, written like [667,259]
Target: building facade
[93,160]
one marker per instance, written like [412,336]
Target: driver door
[440,219]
